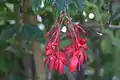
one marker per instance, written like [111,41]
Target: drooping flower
[73,63]
[51,60]
[60,62]
[74,54]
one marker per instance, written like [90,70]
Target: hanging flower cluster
[57,58]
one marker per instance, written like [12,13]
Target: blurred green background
[24,21]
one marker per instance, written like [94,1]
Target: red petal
[52,61]
[80,61]
[49,51]
[78,52]
[85,56]
[56,66]
[84,46]
[68,35]
[47,34]
[62,57]
[73,63]
[51,64]
[82,41]
[79,66]
[48,44]
[46,60]
[68,50]
[61,67]
[54,43]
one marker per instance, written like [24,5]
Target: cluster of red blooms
[56,57]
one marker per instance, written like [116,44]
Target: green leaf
[11,60]
[116,39]
[65,42]
[2,6]
[3,44]
[79,4]
[90,55]
[117,34]
[18,77]
[110,33]
[60,5]
[56,14]
[3,15]
[8,61]
[116,42]
[10,15]
[107,67]
[36,4]
[106,45]
[115,7]
[90,5]
[97,12]
[116,16]
[73,9]
[2,1]
[10,6]
[116,65]
[13,1]
[90,52]
[3,65]
[8,33]
[32,32]
[49,1]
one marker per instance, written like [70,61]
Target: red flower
[51,63]
[84,46]
[50,47]
[82,43]
[84,55]
[68,50]
[73,63]
[51,60]
[61,67]
[60,62]
[56,67]
[49,51]
[80,61]
[57,59]
[78,52]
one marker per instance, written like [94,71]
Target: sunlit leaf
[10,6]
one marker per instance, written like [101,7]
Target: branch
[114,27]
[94,25]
